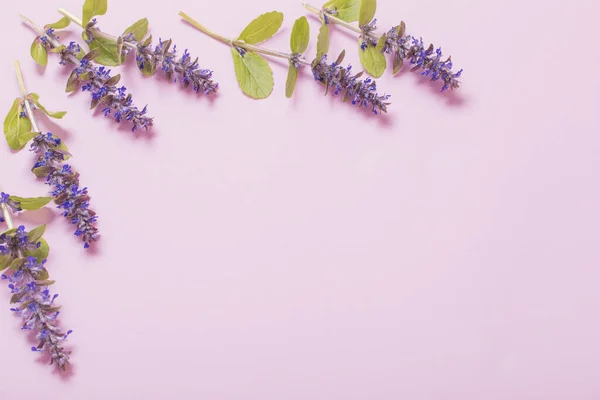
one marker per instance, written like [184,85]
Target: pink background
[302,250]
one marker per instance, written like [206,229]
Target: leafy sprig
[98,81]
[113,50]
[20,128]
[373,47]
[23,258]
[255,76]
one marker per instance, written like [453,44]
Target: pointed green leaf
[24,138]
[36,233]
[91,8]
[41,253]
[367,11]
[41,172]
[39,52]
[262,28]
[15,126]
[17,263]
[323,40]
[72,82]
[45,283]
[5,260]
[60,24]
[107,52]
[347,10]
[42,275]
[36,100]
[253,74]
[397,63]
[139,29]
[32,203]
[290,83]
[372,60]
[300,35]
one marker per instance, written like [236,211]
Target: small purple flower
[361,93]
[73,201]
[99,82]
[149,58]
[13,205]
[34,302]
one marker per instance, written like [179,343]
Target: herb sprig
[23,256]
[254,74]
[96,80]
[373,47]
[20,128]
[134,40]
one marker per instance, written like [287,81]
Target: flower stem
[26,102]
[7,216]
[340,22]
[95,31]
[239,43]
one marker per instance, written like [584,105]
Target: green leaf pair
[253,73]
[111,51]
[31,203]
[298,43]
[17,127]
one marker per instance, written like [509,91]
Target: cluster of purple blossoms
[162,56]
[407,47]
[69,197]
[362,93]
[28,284]
[99,82]
[13,205]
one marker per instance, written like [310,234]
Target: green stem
[239,43]
[7,216]
[340,22]
[26,101]
[95,31]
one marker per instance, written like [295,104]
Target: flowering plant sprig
[373,47]
[20,128]
[23,255]
[96,80]
[114,50]
[254,74]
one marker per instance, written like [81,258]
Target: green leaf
[253,74]
[17,263]
[400,29]
[300,35]
[107,52]
[323,40]
[347,10]
[367,11]
[45,283]
[41,172]
[262,28]
[32,203]
[91,8]
[41,253]
[60,24]
[5,260]
[72,82]
[42,275]
[15,126]
[36,100]
[36,233]
[290,83]
[372,59]
[39,52]
[139,29]
[24,138]
[397,62]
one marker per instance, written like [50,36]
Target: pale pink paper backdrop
[302,250]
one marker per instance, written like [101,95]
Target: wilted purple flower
[362,93]
[65,186]
[149,58]
[32,298]
[99,82]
